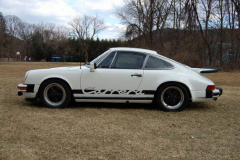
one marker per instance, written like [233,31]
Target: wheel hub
[172,97]
[54,94]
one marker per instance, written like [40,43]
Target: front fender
[39,76]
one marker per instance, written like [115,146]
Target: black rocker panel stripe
[77,91]
[146,92]
[116,98]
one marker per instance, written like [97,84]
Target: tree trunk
[86,56]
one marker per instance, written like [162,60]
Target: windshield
[99,58]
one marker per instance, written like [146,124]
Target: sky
[61,12]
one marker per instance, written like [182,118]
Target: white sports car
[122,75]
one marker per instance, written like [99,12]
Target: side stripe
[77,91]
[145,92]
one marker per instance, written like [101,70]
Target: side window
[107,62]
[128,60]
[155,63]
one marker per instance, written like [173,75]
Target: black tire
[172,97]
[55,93]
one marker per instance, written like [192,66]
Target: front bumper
[28,90]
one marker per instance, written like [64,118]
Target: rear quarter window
[156,63]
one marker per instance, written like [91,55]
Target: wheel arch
[174,82]
[55,79]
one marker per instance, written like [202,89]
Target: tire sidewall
[66,88]
[159,94]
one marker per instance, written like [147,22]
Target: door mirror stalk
[93,66]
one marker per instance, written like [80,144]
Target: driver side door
[117,76]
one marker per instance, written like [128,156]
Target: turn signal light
[210,87]
[22,88]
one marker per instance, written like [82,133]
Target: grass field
[117,131]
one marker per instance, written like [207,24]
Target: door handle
[137,75]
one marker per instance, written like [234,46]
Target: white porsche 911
[122,75]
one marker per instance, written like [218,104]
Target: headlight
[26,75]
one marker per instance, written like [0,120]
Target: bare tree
[237,9]
[233,10]
[46,31]
[59,40]
[2,33]
[85,28]
[12,24]
[221,14]
[143,17]
[25,32]
[203,17]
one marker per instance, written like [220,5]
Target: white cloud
[108,24]
[120,26]
[113,31]
[61,12]
[98,5]
[34,11]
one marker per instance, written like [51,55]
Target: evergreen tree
[2,33]
[36,49]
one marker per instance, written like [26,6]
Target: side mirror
[93,66]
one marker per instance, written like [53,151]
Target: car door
[118,75]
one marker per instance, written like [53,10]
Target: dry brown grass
[117,131]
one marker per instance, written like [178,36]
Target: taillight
[210,87]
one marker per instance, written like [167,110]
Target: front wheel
[55,94]
[172,97]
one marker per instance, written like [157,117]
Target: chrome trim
[145,62]
[103,58]
[113,60]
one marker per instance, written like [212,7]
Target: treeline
[195,32]
[41,41]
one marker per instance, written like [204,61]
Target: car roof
[146,51]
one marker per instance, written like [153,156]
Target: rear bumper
[204,96]
[215,93]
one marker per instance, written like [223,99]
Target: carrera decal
[91,90]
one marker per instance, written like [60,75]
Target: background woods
[195,32]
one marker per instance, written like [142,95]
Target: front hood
[69,74]
[59,69]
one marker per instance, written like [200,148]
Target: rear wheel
[172,97]
[55,94]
